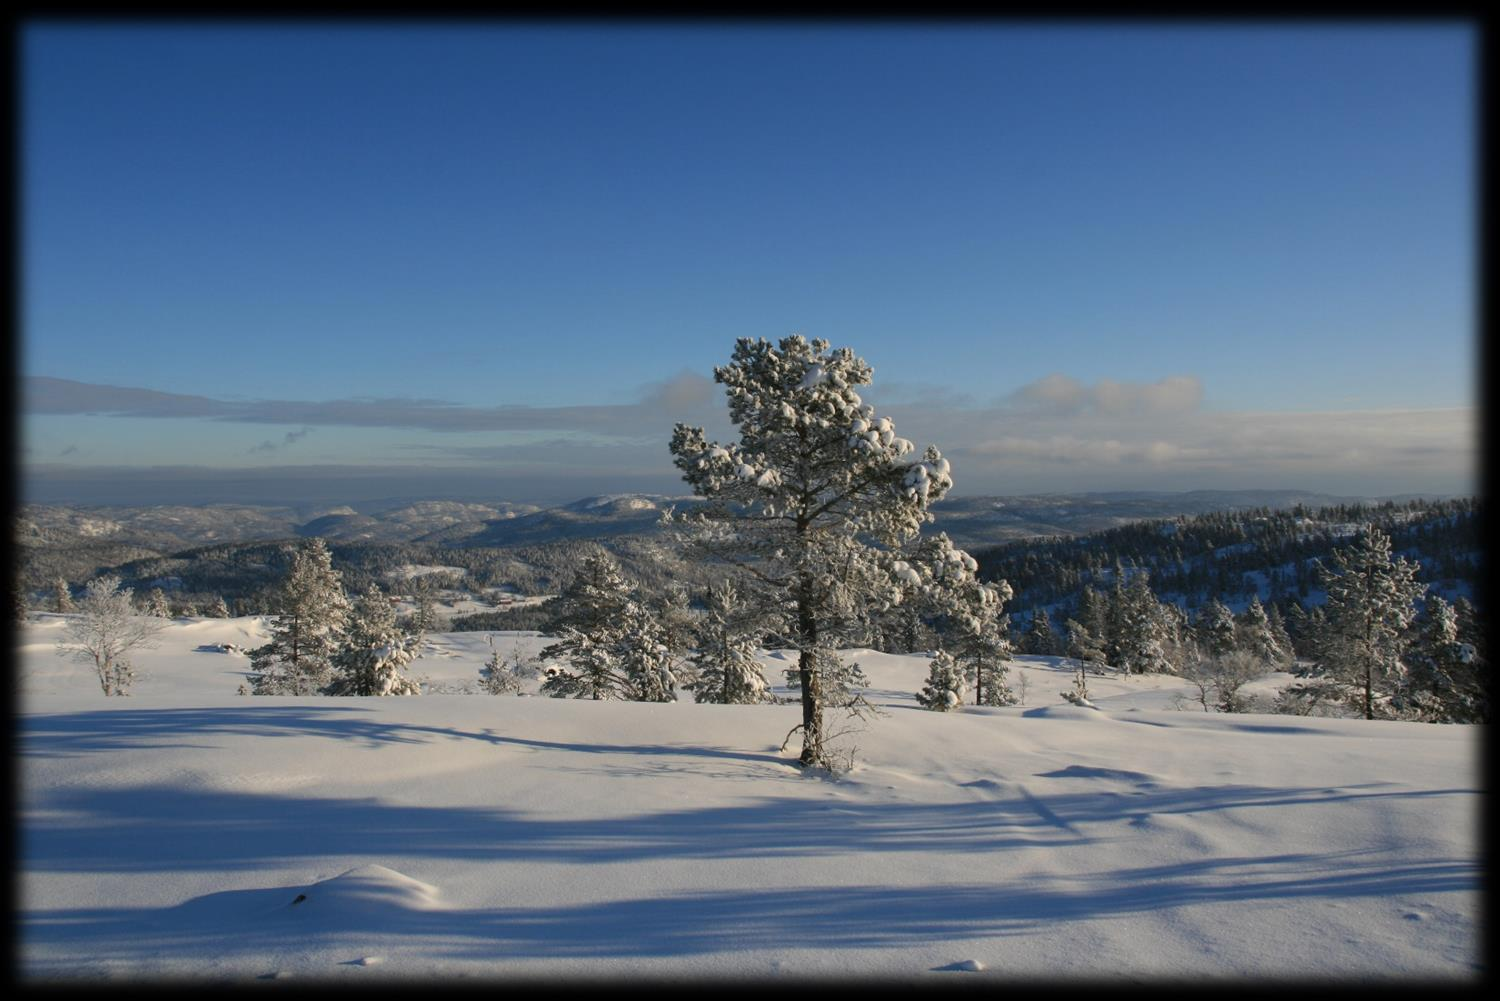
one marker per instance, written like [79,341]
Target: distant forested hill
[1232,555]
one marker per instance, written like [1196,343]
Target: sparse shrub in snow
[834,493]
[105,629]
[310,615]
[1079,695]
[498,677]
[727,671]
[373,652]
[1217,680]
[838,681]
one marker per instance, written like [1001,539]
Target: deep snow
[185,831]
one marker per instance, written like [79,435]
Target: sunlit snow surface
[187,832]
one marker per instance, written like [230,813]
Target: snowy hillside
[185,831]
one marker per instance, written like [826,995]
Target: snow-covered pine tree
[310,613]
[727,671]
[1216,633]
[1116,618]
[645,655]
[1446,682]
[62,595]
[614,645]
[1092,615]
[586,621]
[1254,635]
[424,616]
[593,671]
[1040,640]
[1280,637]
[1371,602]
[1180,644]
[104,632]
[806,502]
[973,614]
[1144,630]
[1085,646]
[374,651]
[672,611]
[156,604]
[217,609]
[944,689]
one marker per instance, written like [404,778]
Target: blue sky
[1093,257]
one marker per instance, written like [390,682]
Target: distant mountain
[972,522]
[590,518]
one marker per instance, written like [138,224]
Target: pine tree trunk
[812,709]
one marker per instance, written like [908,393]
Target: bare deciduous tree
[105,629]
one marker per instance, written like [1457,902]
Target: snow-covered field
[189,832]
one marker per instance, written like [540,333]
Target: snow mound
[362,892]
[962,966]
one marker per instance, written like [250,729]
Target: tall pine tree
[310,614]
[810,502]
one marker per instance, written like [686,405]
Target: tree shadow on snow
[248,922]
[78,733]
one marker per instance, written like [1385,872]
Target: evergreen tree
[217,609]
[945,684]
[1085,646]
[1281,638]
[156,604]
[594,671]
[1253,634]
[615,646]
[974,615]
[645,656]
[1040,639]
[310,613]
[1371,603]
[810,502]
[1143,630]
[727,669]
[1093,617]
[374,652]
[1216,633]
[424,617]
[62,596]
[1117,615]
[1448,681]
